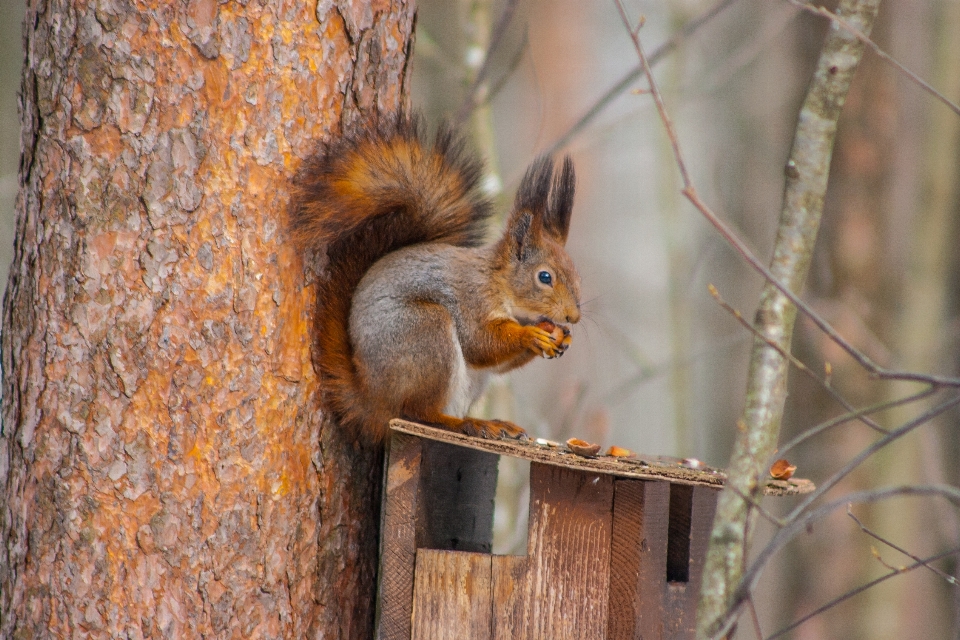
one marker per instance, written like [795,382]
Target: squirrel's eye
[545,277]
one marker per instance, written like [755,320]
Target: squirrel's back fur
[364,196]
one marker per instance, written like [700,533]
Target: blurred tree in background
[11,60]
[657,366]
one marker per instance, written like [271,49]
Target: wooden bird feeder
[615,546]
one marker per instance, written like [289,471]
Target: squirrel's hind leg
[415,368]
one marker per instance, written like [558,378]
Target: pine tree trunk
[164,467]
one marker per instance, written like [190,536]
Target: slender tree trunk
[164,468]
[759,427]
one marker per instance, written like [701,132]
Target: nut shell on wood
[582,447]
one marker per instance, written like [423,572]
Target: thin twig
[687,30]
[792,359]
[883,55]
[753,616]
[647,371]
[853,415]
[655,92]
[802,513]
[471,100]
[946,576]
[854,462]
[801,523]
[511,67]
[865,362]
[802,516]
[853,592]
[770,33]
[779,523]
[689,191]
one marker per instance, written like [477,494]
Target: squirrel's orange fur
[412,312]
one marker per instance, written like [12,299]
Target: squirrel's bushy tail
[360,198]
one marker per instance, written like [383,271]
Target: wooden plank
[625,544]
[643,467]
[657,526]
[653,560]
[638,559]
[452,598]
[461,484]
[398,537]
[571,520]
[510,598]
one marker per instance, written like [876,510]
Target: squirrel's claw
[550,340]
[492,429]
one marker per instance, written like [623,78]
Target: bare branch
[511,67]
[690,192]
[883,55]
[770,34]
[472,98]
[754,503]
[861,589]
[756,619]
[946,576]
[853,415]
[807,173]
[657,97]
[800,524]
[800,366]
[647,371]
[854,462]
[688,29]
[862,359]
[802,516]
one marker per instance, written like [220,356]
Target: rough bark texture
[164,468]
[806,182]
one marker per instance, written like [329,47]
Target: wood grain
[638,559]
[571,520]
[635,580]
[452,597]
[510,596]
[398,538]
[623,607]
[601,549]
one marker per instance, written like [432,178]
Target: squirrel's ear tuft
[549,197]
[557,220]
[520,223]
[535,187]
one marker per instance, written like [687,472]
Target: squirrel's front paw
[549,340]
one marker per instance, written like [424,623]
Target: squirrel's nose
[573,315]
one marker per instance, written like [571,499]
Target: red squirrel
[413,312]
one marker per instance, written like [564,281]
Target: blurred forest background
[656,365]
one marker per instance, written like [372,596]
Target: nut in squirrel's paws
[556,341]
